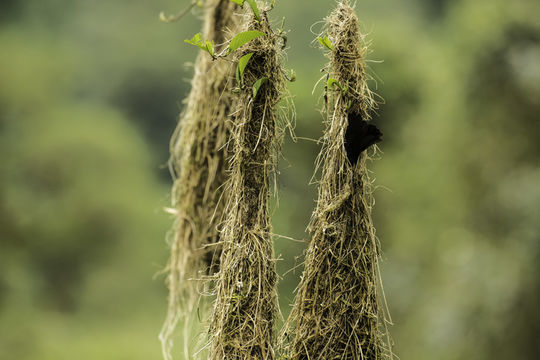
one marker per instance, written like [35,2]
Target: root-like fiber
[242,325]
[199,160]
[337,312]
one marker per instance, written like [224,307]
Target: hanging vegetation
[338,312]
[198,163]
[242,325]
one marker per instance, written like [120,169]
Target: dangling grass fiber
[198,163]
[242,324]
[338,311]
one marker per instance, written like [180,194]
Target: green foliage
[257,85]
[333,83]
[70,168]
[325,41]
[252,4]
[242,63]
[236,42]
[255,8]
[205,45]
[243,38]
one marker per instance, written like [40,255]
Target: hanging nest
[338,312]
[198,163]
[242,325]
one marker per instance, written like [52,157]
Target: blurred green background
[89,95]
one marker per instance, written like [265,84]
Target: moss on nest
[198,163]
[338,313]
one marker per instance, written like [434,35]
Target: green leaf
[258,85]
[195,39]
[333,83]
[325,41]
[210,48]
[238,2]
[242,63]
[255,9]
[205,45]
[243,38]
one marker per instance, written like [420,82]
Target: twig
[181,14]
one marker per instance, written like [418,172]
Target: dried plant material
[199,161]
[338,312]
[242,325]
